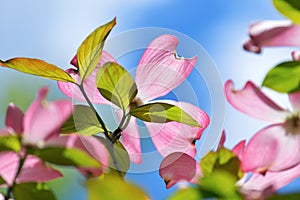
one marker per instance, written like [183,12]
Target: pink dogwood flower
[39,127]
[178,167]
[33,170]
[272,33]
[159,71]
[277,146]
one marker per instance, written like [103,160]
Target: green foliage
[284,77]
[289,8]
[220,184]
[90,51]
[162,113]
[83,121]
[26,191]
[116,85]
[113,188]
[10,143]
[295,196]
[222,160]
[2,181]
[119,162]
[190,193]
[38,68]
[65,156]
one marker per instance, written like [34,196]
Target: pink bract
[272,33]
[277,146]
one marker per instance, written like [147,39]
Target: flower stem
[106,131]
[10,188]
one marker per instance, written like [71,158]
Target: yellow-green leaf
[119,161]
[83,121]
[162,113]
[289,8]
[10,143]
[190,193]
[65,156]
[222,160]
[90,51]
[38,68]
[116,85]
[285,77]
[26,191]
[113,188]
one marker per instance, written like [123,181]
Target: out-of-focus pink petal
[270,181]
[295,100]
[89,85]
[9,162]
[160,70]
[177,137]
[131,139]
[239,149]
[43,119]
[14,119]
[88,144]
[178,167]
[222,140]
[35,170]
[272,33]
[74,61]
[251,101]
[296,55]
[272,149]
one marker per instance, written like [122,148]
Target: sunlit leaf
[162,113]
[26,191]
[116,85]
[82,121]
[221,185]
[119,162]
[113,188]
[65,156]
[37,67]
[222,160]
[90,51]
[187,193]
[289,8]
[10,143]
[284,77]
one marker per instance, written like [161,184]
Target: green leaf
[289,8]
[65,156]
[90,51]
[187,194]
[113,188]
[222,160]
[27,191]
[38,68]
[83,121]
[220,184]
[10,143]
[116,85]
[284,77]
[119,162]
[295,196]
[162,113]
[2,181]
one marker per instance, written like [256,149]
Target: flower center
[292,124]
[137,102]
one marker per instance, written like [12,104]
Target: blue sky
[52,31]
